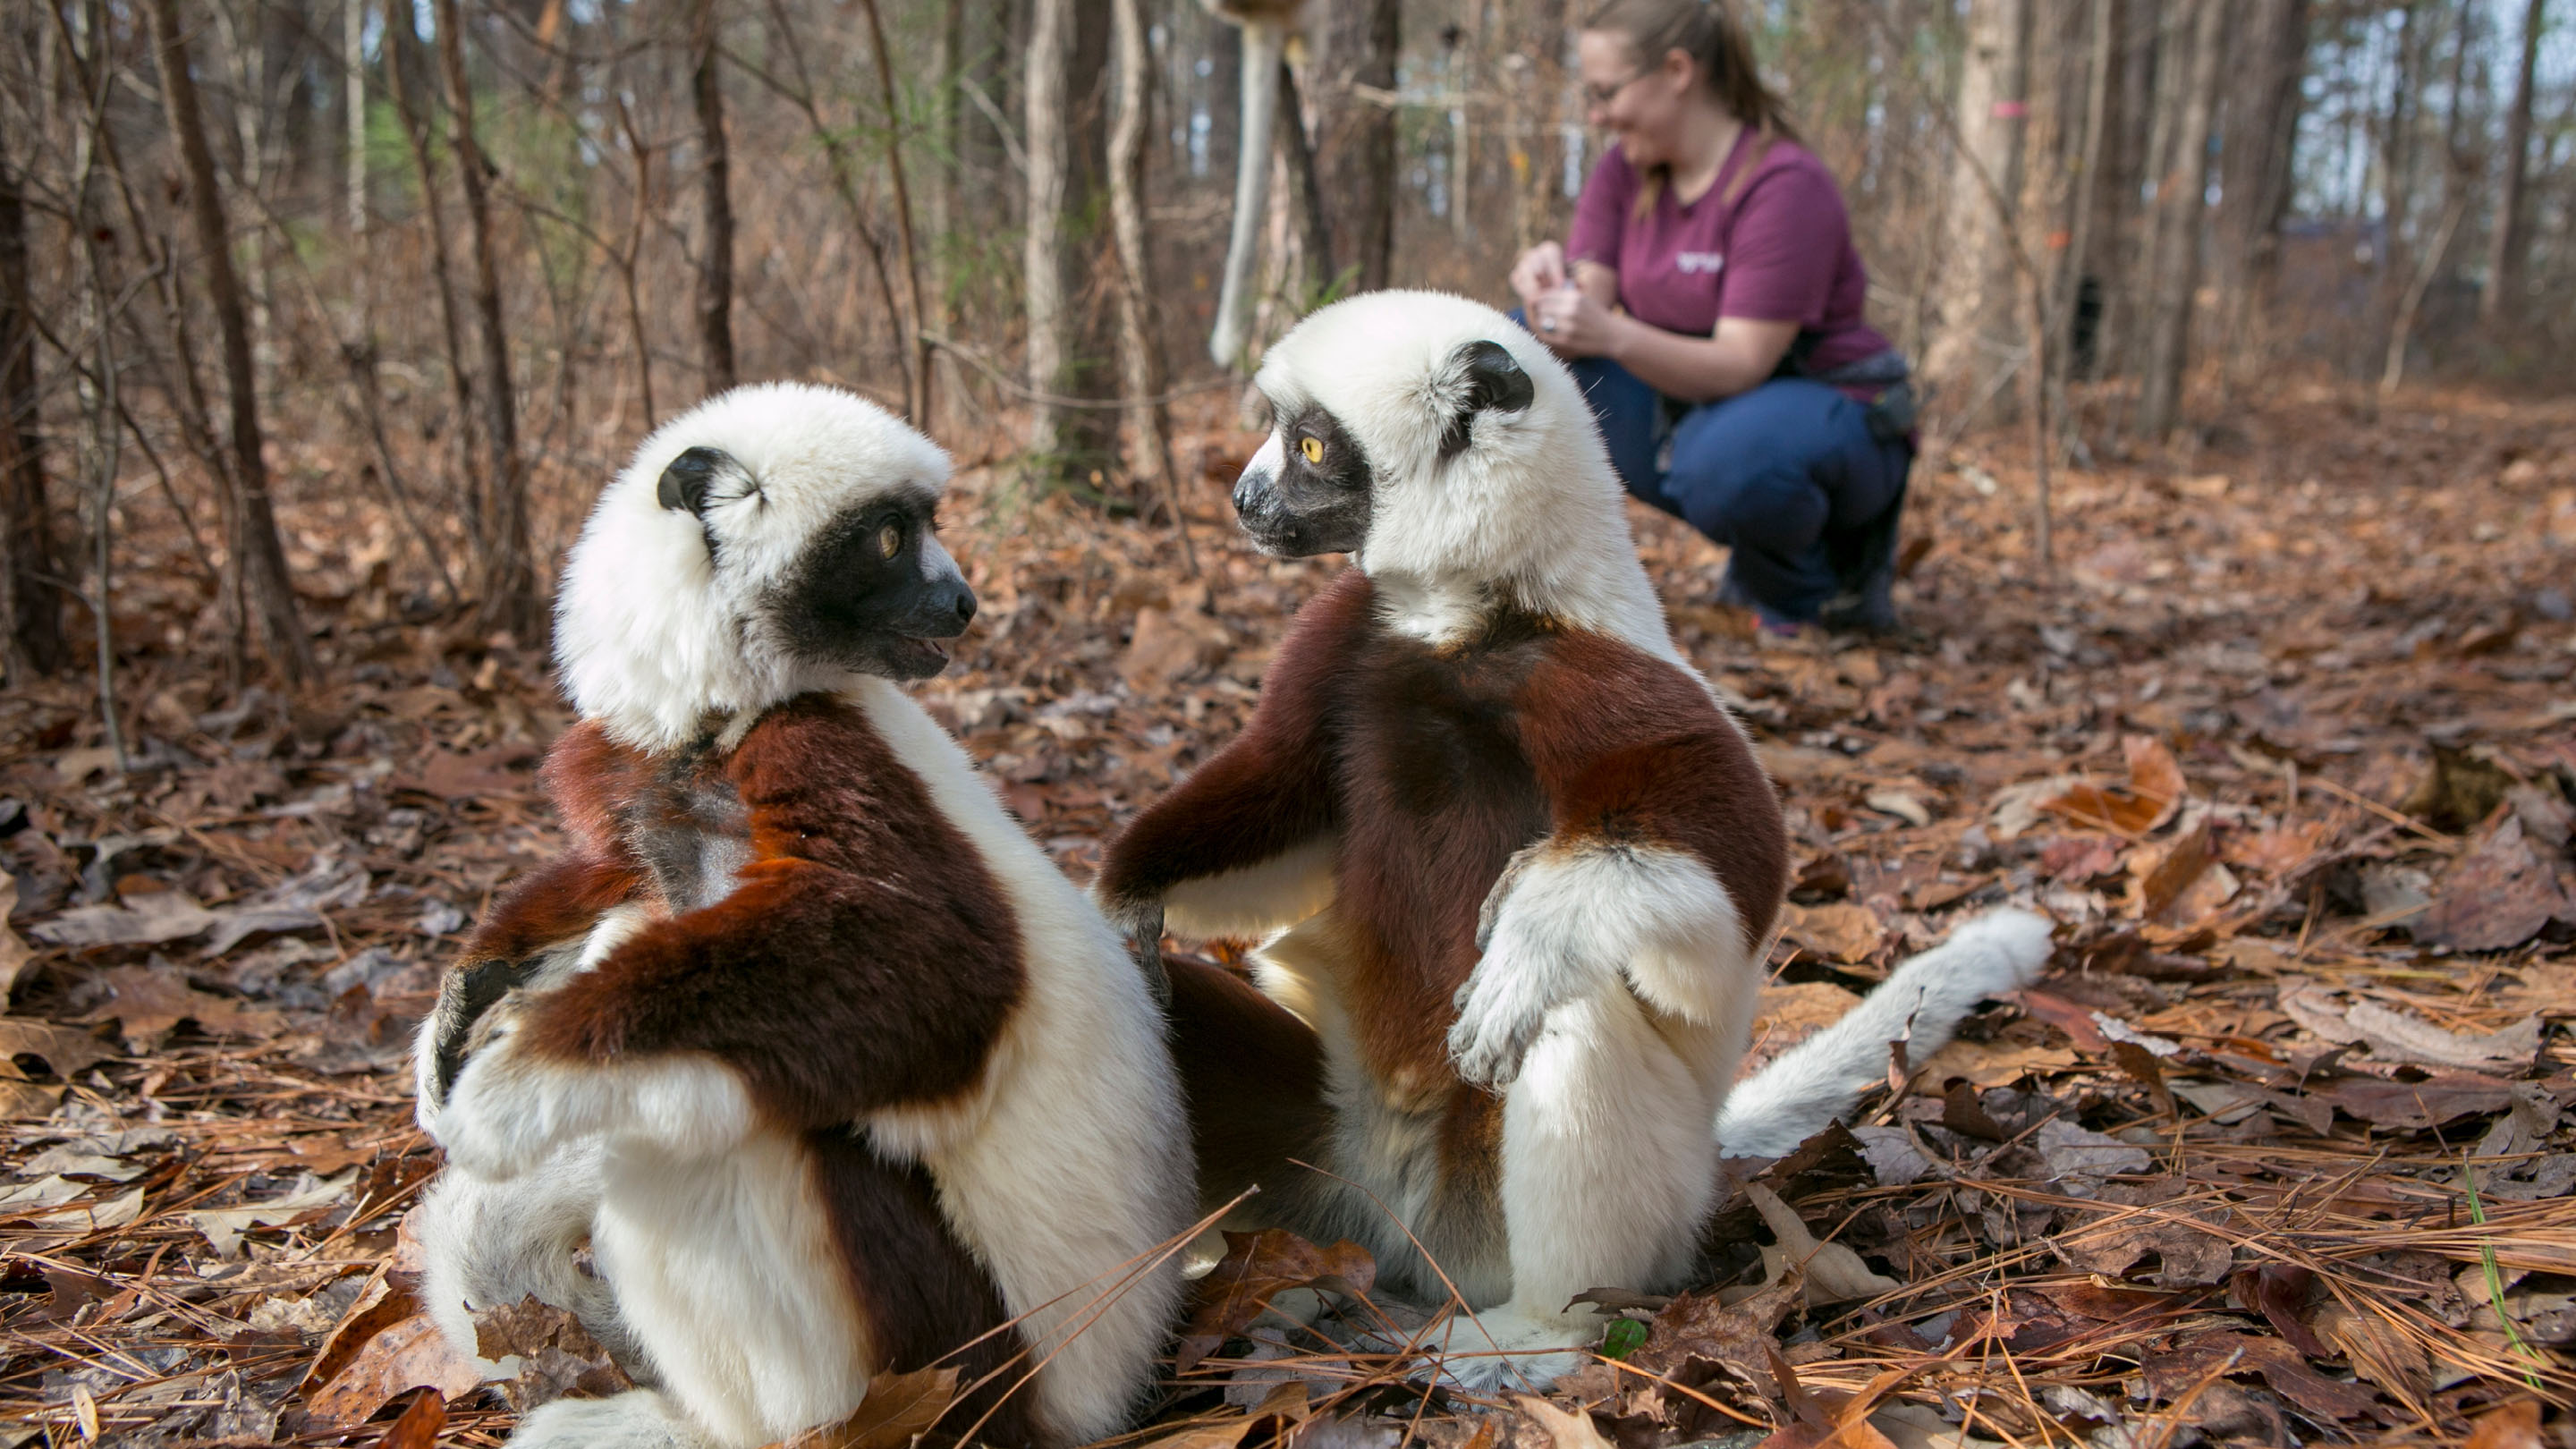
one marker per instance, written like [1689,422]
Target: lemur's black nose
[965,607]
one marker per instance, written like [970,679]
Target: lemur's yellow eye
[889,541]
[1313,448]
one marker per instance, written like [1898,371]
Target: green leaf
[1625,1337]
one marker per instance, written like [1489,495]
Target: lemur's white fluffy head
[773,540]
[1443,445]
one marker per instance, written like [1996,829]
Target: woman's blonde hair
[1709,33]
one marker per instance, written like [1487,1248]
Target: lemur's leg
[1920,1003]
[1253,1076]
[769,1283]
[1606,1174]
[488,1245]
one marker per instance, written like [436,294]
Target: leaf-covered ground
[2277,1152]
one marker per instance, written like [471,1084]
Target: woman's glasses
[1599,97]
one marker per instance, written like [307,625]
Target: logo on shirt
[1698,261]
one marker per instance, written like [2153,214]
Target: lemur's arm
[1240,845]
[1665,862]
[809,997]
[546,915]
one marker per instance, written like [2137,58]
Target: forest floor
[2278,1152]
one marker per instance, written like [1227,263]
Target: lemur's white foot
[1508,1349]
[637,1419]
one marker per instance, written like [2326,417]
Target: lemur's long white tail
[1921,1004]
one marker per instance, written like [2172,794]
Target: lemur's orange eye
[889,541]
[1313,448]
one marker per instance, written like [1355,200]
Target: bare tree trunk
[2086,203]
[2397,166]
[715,202]
[1355,150]
[1312,266]
[918,368]
[2506,237]
[1976,335]
[400,46]
[1140,344]
[353,95]
[259,559]
[2180,203]
[509,577]
[31,615]
[1067,54]
[2269,62]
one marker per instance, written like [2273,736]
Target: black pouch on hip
[1891,418]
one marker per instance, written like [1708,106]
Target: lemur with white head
[1514,868]
[833,1070]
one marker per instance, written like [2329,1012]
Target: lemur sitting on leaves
[1514,868]
[832,1068]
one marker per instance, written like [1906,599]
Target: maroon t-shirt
[1774,246]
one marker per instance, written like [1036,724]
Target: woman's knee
[1764,502]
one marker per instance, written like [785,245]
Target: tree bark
[1976,332]
[1311,268]
[1355,152]
[918,368]
[2506,235]
[401,45]
[31,615]
[2102,49]
[2268,65]
[1067,57]
[2181,198]
[353,98]
[258,558]
[508,576]
[715,202]
[1140,343]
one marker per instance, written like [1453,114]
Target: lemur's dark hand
[467,992]
[1141,922]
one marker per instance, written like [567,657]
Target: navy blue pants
[1786,476]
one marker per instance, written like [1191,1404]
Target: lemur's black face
[876,593]
[872,590]
[1307,491]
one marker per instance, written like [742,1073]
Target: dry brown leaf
[147,1002]
[2171,872]
[1843,931]
[381,1305]
[898,1408]
[2436,1101]
[411,1354]
[557,1357]
[14,953]
[2500,894]
[2152,795]
[2512,1426]
[2378,1350]
[1220,1434]
[1700,1327]
[1832,1272]
[65,1050]
[2174,1372]
[1563,1429]
[455,775]
[1990,1064]
[418,1426]
[2185,1252]
[1255,1268]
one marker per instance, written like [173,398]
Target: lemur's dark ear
[1494,380]
[685,482]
